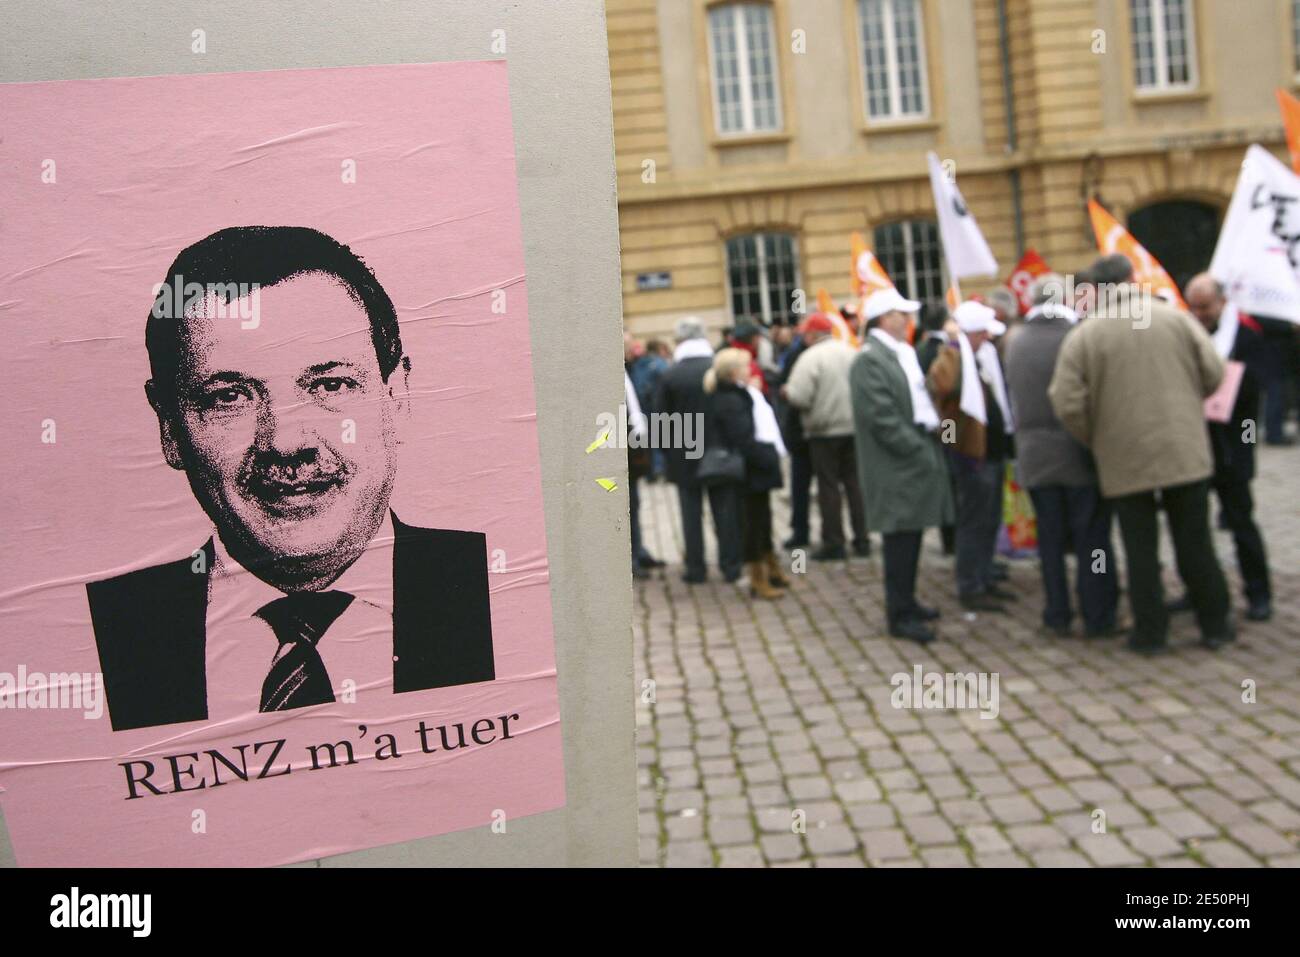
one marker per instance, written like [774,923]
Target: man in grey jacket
[1059,472]
[819,389]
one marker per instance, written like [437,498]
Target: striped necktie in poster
[297,677]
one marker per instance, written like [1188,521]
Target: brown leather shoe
[759,586]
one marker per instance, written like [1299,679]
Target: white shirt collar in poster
[357,647]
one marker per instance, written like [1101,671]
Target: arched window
[762,274]
[910,252]
[891,43]
[1180,234]
[742,58]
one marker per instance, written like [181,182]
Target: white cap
[972,316]
[888,300]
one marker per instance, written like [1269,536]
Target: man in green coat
[901,470]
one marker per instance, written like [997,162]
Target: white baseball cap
[972,316]
[888,300]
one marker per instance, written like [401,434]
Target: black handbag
[719,466]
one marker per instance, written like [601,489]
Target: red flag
[1030,267]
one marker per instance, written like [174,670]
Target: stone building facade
[752,138]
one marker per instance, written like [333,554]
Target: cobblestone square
[771,738]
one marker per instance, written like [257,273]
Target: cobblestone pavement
[766,714]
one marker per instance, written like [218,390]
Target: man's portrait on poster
[287,427]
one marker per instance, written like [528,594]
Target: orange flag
[866,273]
[1114,238]
[842,330]
[869,276]
[857,246]
[825,303]
[1291,121]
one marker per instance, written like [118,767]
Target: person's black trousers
[1238,510]
[757,524]
[1274,406]
[801,476]
[979,515]
[1189,526]
[901,553]
[724,503]
[948,533]
[834,463]
[1076,515]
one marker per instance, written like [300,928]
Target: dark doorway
[1180,234]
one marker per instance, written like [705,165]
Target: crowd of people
[1112,405]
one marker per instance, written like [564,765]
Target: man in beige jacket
[819,389]
[1130,384]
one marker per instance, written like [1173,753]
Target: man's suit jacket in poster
[151,626]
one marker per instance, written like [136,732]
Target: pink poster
[1219,405]
[274,583]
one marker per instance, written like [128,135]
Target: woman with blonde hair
[741,423]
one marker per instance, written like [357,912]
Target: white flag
[1259,246]
[963,244]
